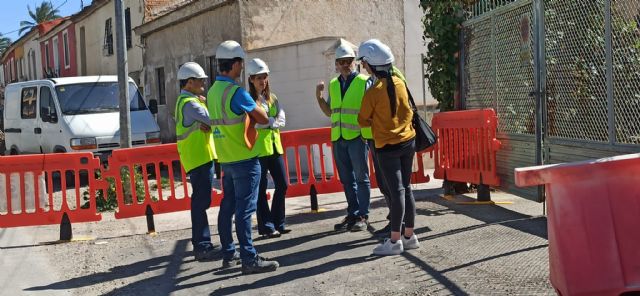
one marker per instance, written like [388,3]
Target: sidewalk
[466,250]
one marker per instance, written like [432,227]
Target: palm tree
[44,12]
[5,42]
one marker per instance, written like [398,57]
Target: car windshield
[98,97]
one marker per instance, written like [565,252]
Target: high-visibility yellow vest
[397,73]
[195,146]
[227,127]
[344,111]
[267,137]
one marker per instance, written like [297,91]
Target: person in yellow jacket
[386,108]
[348,140]
[229,107]
[385,231]
[197,152]
[271,222]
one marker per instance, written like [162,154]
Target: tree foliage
[5,42]
[442,21]
[44,12]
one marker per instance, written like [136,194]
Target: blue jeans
[240,185]
[271,220]
[202,182]
[351,158]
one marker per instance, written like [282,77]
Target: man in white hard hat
[349,147]
[231,109]
[197,152]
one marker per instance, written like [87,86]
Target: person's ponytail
[386,72]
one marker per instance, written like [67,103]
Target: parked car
[73,114]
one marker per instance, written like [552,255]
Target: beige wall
[96,62]
[295,69]
[291,36]
[268,23]
[191,39]
[33,45]
[397,23]
[414,48]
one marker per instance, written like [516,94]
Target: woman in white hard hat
[270,221]
[386,109]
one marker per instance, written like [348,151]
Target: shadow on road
[323,252]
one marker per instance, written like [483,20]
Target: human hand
[319,89]
[205,128]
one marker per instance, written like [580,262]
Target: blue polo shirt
[241,101]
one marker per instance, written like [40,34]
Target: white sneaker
[411,243]
[388,248]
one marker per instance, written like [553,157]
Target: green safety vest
[227,127]
[195,147]
[397,73]
[344,111]
[267,137]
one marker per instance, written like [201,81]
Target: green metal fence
[570,67]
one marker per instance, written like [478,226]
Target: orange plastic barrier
[467,145]
[167,200]
[46,200]
[593,224]
[306,138]
[324,181]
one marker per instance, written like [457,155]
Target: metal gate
[582,83]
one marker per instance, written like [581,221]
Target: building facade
[58,50]
[95,28]
[296,38]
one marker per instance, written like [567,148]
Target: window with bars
[127,25]
[107,48]
[161,89]
[213,69]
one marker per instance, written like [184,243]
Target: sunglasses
[344,61]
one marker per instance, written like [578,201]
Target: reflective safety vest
[344,111]
[267,137]
[195,146]
[227,127]
[397,73]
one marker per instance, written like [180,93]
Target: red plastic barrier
[467,145]
[593,223]
[324,181]
[50,203]
[166,201]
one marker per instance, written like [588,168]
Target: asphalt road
[466,250]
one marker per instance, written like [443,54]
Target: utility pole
[123,77]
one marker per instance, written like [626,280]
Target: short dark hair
[225,65]
[184,82]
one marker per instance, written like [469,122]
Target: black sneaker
[360,224]
[346,223]
[260,265]
[384,231]
[284,231]
[272,234]
[234,261]
[208,253]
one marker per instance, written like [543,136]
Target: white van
[73,114]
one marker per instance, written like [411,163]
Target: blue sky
[14,11]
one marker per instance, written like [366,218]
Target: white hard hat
[344,51]
[229,50]
[191,70]
[257,66]
[375,53]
